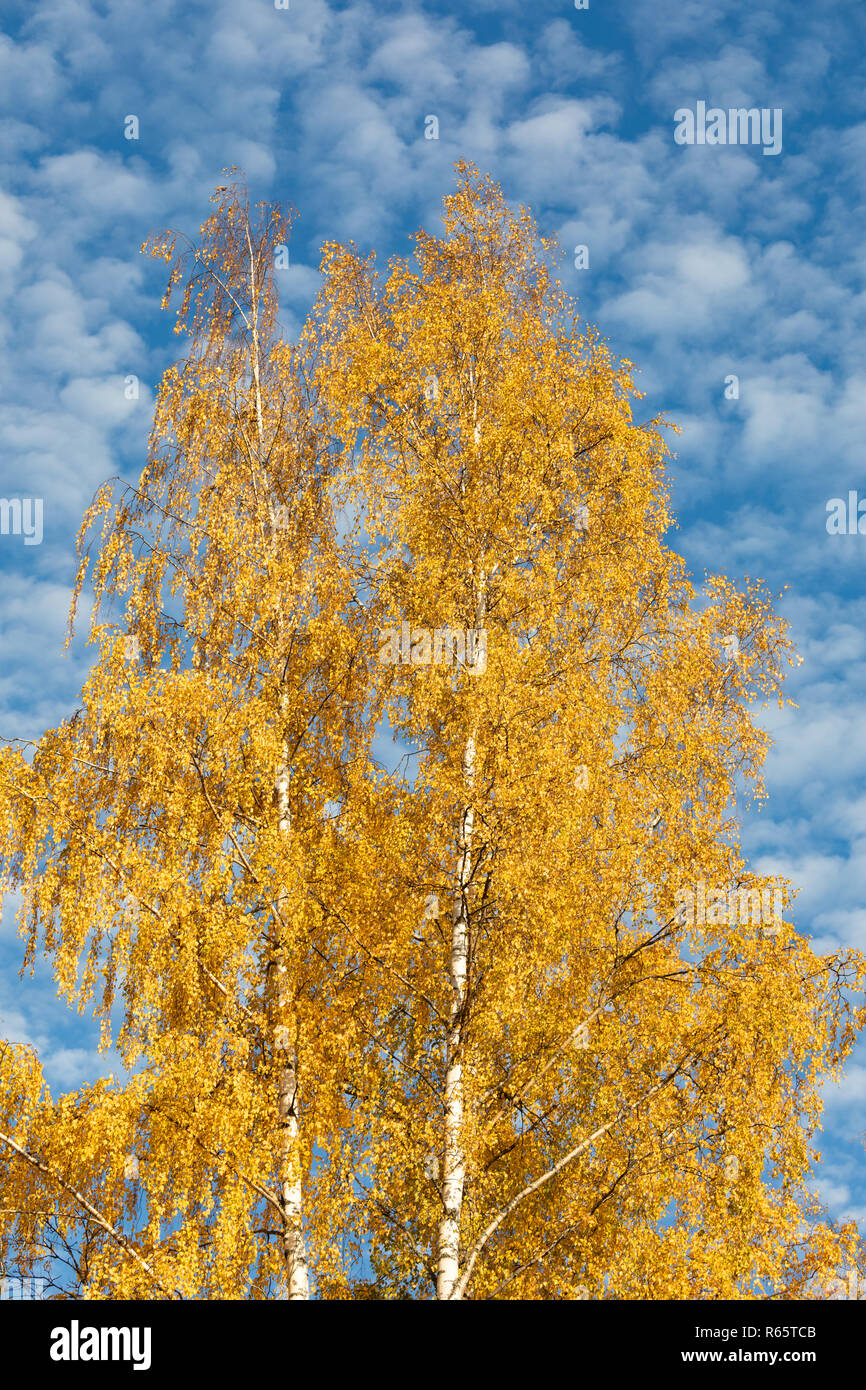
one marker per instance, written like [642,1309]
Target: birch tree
[168,831]
[605,1083]
[513,1018]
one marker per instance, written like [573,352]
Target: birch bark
[283,1023]
[454,1164]
[290,1185]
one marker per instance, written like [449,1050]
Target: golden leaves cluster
[296,500]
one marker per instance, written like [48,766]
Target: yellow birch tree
[606,1080]
[513,1019]
[167,832]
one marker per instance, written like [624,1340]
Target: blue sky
[704,262]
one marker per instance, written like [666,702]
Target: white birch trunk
[454,1165]
[290,1184]
[291,1193]
[454,1156]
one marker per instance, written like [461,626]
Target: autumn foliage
[430,1025]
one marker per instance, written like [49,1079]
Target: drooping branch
[101,1220]
[504,1212]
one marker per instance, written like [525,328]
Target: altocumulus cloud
[705,264]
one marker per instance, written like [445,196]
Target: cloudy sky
[734,279]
